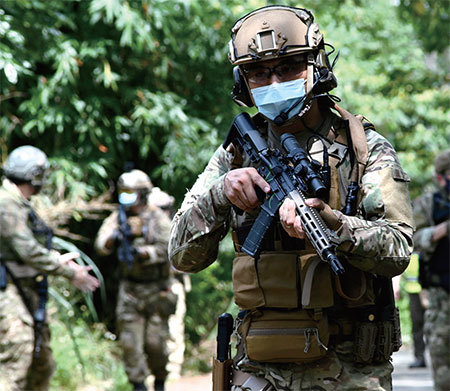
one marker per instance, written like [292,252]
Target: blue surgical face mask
[276,98]
[127,198]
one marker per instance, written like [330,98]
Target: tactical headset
[275,32]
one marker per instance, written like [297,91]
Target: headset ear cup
[324,78]
[240,93]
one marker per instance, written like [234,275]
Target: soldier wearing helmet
[138,234]
[24,264]
[301,327]
[432,240]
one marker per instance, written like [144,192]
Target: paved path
[404,379]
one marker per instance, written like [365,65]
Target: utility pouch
[167,303]
[397,336]
[389,338]
[384,344]
[365,336]
[270,281]
[285,336]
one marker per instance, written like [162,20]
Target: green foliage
[212,293]
[97,348]
[430,20]
[98,83]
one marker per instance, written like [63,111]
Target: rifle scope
[302,165]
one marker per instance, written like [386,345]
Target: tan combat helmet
[133,187]
[273,31]
[277,31]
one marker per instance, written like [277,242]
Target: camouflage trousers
[142,321]
[334,372]
[19,370]
[437,332]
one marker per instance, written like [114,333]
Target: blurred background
[102,84]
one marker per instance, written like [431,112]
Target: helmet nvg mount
[26,164]
[279,31]
[133,187]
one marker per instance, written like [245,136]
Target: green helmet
[26,164]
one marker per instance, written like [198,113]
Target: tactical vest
[287,291]
[439,262]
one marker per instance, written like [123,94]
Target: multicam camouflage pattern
[26,257]
[437,315]
[437,331]
[335,372]
[19,370]
[23,252]
[142,322]
[377,240]
[423,220]
[145,300]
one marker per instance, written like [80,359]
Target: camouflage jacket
[377,240]
[155,228]
[423,219]
[23,252]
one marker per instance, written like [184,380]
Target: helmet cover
[271,32]
[27,164]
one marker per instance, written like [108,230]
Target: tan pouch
[247,292]
[270,282]
[278,279]
[285,336]
[317,289]
[355,287]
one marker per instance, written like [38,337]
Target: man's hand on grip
[240,187]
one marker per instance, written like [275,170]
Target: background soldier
[418,298]
[26,361]
[180,285]
[432,219]
[139,232]
[300,326]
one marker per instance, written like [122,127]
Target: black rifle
[291,177]
[125,250]
[39,315]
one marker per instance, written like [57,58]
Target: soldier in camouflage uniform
[281,68]
[26,364]
[432,219]
[145,300]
